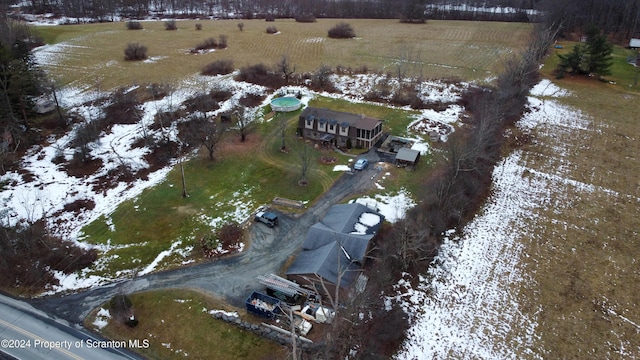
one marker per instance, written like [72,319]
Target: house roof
[355,120]
[328,262]
[338,243]
[406,154]
[367,123]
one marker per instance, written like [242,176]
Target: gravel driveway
[232,278]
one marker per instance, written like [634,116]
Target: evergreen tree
[592,58]
[572,61]
[598,60]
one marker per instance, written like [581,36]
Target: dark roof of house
[328,261]
[358,121]
[406,154]
[338,243]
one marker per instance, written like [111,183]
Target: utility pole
[184,183]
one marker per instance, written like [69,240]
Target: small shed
[407,157]
[634,43]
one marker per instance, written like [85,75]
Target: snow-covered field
[469,306]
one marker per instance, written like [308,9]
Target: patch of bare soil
[431,127]
[79,205]
[328,160]
[161,154]
[252,100]
[233,146]
[27,176]
[79,169]
[113,177]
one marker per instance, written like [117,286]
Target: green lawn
[242,178]
[164,314]
[622,74]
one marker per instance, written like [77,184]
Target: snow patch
[102,318]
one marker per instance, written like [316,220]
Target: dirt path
[231,278]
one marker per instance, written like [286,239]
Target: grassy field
[163,314]
[94,54]
[583,262]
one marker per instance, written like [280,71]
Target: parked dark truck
[263,305]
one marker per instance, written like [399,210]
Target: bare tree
[305,156]
[281,119]
[212,133]
[244,121]
[322,77]
[284,66]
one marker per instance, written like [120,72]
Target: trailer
[263,305]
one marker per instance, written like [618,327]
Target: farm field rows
[93,55]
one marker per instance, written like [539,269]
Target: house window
[322,125]
[309,124]
[344,129]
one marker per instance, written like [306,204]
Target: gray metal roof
[337,244]
[328,261]
[406,154]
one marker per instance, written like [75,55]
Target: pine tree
[598,49]
[572,61]
[592,58]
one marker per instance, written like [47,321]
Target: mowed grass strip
[441,49]
[177,325]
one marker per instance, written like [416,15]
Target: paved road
[233,278]
[26,333]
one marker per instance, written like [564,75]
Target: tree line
[611,16]
[107,10]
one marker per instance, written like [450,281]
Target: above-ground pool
[285,104]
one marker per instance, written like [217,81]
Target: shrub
[210,43]
[241,26]
[270,17]
[218,67]
[229,234]
[272,30]
[198,26]
[134,25]
[222,42]
[209,244]
[254,71]
[135,51]
[342,31]
[305,18]
[170,25]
